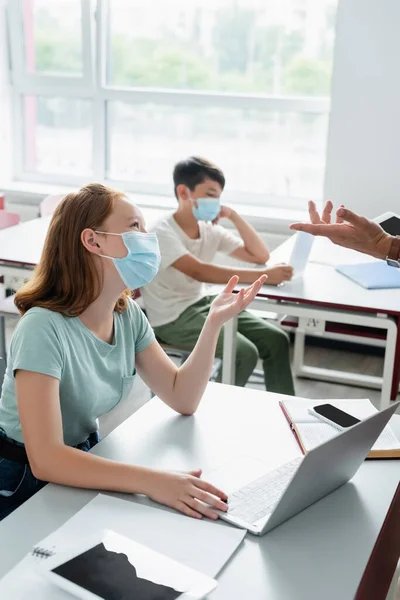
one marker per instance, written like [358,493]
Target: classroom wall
[364,137]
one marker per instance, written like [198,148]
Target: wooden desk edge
[381,566]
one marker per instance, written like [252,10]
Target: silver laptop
[264,503]
[300,253]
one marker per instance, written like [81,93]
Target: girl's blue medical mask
[207,209]
[142,262]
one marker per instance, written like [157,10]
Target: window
[119,90]
[53,37]
[258,46]
[262,152]
[58,135]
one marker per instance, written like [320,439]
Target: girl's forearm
[69,466]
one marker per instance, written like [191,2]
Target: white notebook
[311,432]
[199,544]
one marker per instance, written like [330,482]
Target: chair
[7,307]
[49,204]
[8,219]
[178,355]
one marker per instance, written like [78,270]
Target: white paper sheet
[200,544]
[300,253]
[314,434]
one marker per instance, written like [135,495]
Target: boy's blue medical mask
[142,262]
[207,209]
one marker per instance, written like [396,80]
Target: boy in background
[176,301]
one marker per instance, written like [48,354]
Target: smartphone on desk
[334,416]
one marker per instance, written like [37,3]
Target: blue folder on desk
[373,275]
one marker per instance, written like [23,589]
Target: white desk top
[301,559]
[23,243]
[322,284]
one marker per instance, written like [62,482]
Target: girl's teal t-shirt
[94,375]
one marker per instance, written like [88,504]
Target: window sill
[263,218]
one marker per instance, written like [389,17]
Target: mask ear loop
[106,233]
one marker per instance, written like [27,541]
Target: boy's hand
[225,213]
[279,274]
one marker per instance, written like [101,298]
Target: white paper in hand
[301,253]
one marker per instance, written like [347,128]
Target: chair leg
[217,366]
[298,351]
[3,352]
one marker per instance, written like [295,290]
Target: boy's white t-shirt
[171,292]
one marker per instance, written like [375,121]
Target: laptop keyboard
[259,498]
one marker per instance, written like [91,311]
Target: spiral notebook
[201,545]
[106,566]
[110,566]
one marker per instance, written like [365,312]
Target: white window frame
[27,82]
[92,85]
